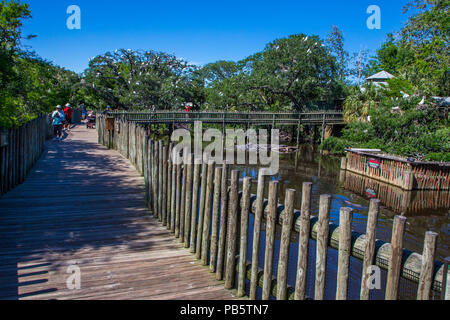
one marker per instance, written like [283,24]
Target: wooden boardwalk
[83,205]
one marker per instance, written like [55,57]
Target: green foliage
[29,85]
[334,145]
[419,52]
[335,42]
[127,79]
[398,126]
[359,102]
[295,70]
[11,15]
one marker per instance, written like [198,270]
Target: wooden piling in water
[369,252]
[215,219]
[426,273]
[223,222]
[257,233]
[393,276]
[288,217]
[245,211]
[270,239]
[206,238]
[345,243]
[303,245]
[232,230]
[322,246]
[195,189]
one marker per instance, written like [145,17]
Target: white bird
[422,102]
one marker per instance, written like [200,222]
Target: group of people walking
[61,121]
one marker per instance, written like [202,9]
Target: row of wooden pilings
[202,205]
[20,148]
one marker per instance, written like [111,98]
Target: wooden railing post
[232,229]
[169,187]
[164,186]
[270,239]
[345,243]
[208,211]
[288,217]
[393,276]
[369,252]
[426,273]
[215,219]
[173,196]
[187,207]
[257,233]
[223,222]
[183,198]
[160,178]
[245,208]
[303,245]
[322,245]
[195,189]
[178,197]
[198,250]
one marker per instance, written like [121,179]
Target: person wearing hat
[58,119]
[68,114]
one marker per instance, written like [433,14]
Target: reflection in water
[426,211]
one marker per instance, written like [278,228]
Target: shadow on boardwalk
[84,205]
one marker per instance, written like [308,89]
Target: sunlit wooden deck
[84,205]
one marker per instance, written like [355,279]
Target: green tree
[128,79]
[335,42]
[12,13]
[295,70]
[419,52]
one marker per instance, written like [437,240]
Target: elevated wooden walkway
[83,205]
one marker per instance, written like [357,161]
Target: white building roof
[383,75]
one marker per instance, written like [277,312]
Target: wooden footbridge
[147,228]
[82,206]
[249,118]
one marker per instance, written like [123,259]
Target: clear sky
[198,31]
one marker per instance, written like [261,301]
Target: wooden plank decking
[84,204]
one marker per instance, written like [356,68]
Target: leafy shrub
[333,145]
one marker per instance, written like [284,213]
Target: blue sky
[198,31]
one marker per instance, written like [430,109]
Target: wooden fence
[405,174]
[20,148]
[398,200]
[205,208]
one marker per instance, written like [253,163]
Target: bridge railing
[243,117]
[208,209]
